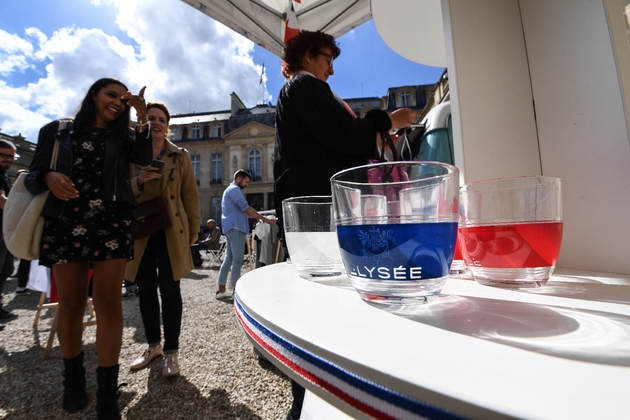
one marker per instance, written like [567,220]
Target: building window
[405,99]
[196,164]
[216,130]
[256,201]
[175,133]
[215,209]
[194,134]
[255,165]
[217,168]
[271,204]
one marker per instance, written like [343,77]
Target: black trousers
[24,269]
[298,400]
[155,272]
[6,266]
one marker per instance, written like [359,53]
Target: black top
[6,187]
[118,154]
[316,137]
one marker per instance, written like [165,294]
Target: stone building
[222,142]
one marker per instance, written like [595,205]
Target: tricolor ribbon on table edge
[365,396]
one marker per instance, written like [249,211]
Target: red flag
[291,28]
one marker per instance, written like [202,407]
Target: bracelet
[140,127]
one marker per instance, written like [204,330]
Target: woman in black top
[89,224]
[317,134]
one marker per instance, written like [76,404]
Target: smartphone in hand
[158,164]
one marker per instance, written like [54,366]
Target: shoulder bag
[151,216]
[22,221]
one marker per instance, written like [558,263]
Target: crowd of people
[106,167]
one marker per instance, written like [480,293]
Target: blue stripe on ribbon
[371,388]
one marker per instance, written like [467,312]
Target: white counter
[558,352]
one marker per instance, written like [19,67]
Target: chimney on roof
[236,104]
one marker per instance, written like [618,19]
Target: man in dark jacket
[7,156]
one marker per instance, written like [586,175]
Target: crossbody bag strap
[55,152]
[386,139]
[53,159]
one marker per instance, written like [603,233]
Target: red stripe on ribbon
[345,397]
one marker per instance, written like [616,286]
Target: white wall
[491,97]
[582,128]
[580,131]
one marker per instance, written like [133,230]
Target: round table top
[560,351]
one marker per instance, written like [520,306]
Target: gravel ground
[221,377]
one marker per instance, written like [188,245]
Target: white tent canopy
[412,28]
[263,21]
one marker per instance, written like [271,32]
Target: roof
[237,121]
[360,103]
[263,109]
[204,117]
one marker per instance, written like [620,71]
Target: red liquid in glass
[458,249]
[518,245]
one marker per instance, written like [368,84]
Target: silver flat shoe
[170,366]
[146,357]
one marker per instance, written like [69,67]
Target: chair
[249,253]
[53,303]
[216,255]
[279,247]
[251,250]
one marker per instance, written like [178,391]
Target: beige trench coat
[178,189]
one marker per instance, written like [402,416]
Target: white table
[558,352]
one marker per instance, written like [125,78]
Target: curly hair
[306,42]
[87,111]
[164,109]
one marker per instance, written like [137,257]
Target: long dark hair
[87,112]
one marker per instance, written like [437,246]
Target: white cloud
[188,58]
[15,118]
[35,33]
[14,53]
[185,59]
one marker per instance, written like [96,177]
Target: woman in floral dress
[89,225]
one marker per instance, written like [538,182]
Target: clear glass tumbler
[397,228]
[511,230]
[458,266]
[311,237]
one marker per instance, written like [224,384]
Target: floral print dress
[90,228]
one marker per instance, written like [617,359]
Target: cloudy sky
[52,51]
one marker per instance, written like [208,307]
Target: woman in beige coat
[177,186]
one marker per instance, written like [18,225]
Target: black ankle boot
[74,396]
[107,393]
